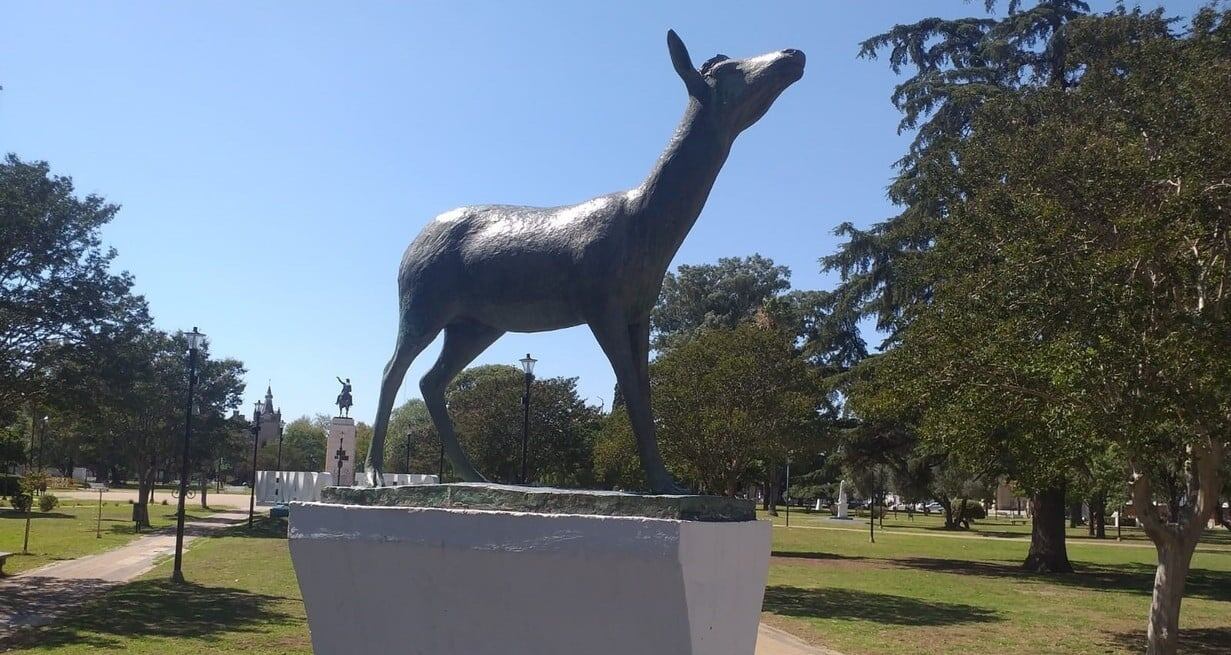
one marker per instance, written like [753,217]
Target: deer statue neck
[672,196]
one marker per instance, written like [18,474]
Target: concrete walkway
[216,500]
[772,641]
[38,596]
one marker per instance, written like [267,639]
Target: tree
[57,292]
[956,67]
[715,295]
[616,465]
[411,424]
[729,400]
[303,446]
[485,403]
[1079,287]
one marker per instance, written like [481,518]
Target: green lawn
[915,591]
[992,527]
[68,531]
[908,593]
[241,597]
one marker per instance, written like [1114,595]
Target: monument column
[340,450]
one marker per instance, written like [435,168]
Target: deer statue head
[732,94]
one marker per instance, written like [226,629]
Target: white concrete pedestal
[340,449]
[470,582]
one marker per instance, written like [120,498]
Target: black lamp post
[195,341]
[41,441]
[256,433]
[440,477]
[409,434]
[527,365]
[278,482]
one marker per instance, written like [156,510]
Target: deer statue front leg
[626,344]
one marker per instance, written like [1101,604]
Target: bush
[974,511]
[21,501]
[48,502]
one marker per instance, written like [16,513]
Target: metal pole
[98,528]
[872,512]
[440,477]
[177,574]
[786,492]
[408,435]
[256,433]
[525,426]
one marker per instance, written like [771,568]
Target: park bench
[3,557]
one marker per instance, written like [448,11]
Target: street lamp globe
[527,364]
[196,339]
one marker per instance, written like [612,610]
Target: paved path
[215,500]
[36,597]
[772,641]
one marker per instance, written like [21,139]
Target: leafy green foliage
[725,294]
[58,296]
[727,401]
[486,405]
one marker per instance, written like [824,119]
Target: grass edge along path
[68,532]
[241,596]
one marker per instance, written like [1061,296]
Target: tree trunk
[947,505]
[773,493]
[1047,549]
[1164,629]
[1098,516]
[204,490]
[1175,544]
[765,497]
[141,510]
[1075,514]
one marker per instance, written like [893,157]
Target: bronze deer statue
[478,272]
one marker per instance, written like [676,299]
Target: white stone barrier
[295,485]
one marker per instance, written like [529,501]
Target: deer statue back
[478,272]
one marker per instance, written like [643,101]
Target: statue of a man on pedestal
[344,400]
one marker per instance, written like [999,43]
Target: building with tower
[268,418]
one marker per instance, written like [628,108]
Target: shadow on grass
[147,608]
[35,515]
[831,603]
[263,527]
[1131,577]
[1193,641]
[813,555]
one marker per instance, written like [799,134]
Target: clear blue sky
[274,159]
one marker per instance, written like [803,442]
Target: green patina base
[546,500]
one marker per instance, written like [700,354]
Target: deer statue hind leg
[627,345]
[410,343]
[464,340]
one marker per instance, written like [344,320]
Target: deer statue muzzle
[478,272]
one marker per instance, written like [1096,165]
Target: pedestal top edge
[546,500]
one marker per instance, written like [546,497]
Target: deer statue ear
[683,66]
